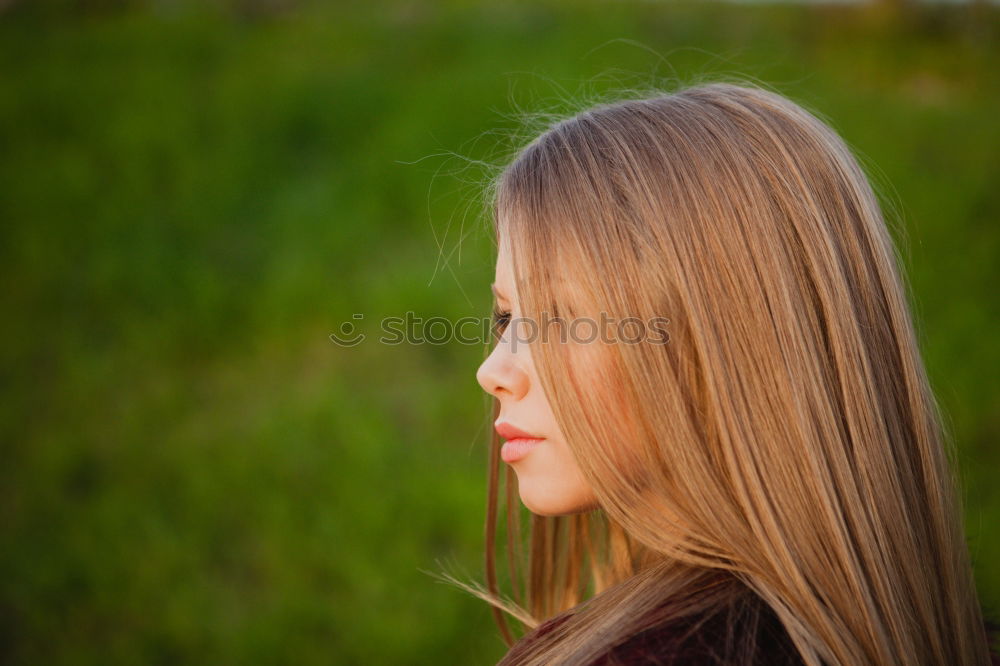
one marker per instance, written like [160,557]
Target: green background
[192,200]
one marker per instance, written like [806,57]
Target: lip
[518,442]
[508,431]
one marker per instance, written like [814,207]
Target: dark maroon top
[718,638]
[715,639]
[712,640]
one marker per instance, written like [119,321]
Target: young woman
[713,400]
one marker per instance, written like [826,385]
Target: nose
[500,374]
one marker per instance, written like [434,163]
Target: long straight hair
[783,443]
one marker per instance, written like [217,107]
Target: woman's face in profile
[549,480]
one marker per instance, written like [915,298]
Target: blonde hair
[785,443]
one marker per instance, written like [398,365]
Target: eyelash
[500,320]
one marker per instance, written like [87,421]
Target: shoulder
[743,630]
[755,637]
[521,647]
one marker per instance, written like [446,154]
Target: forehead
[556,273]
[505,262]
[559,283]
[504,255]
[503,284]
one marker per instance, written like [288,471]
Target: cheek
[608,407]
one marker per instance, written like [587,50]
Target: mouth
[518,442]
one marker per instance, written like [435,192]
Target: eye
[500,320]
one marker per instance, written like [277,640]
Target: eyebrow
[497,292]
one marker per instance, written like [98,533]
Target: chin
[545,504]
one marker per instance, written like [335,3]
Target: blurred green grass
[191,203]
